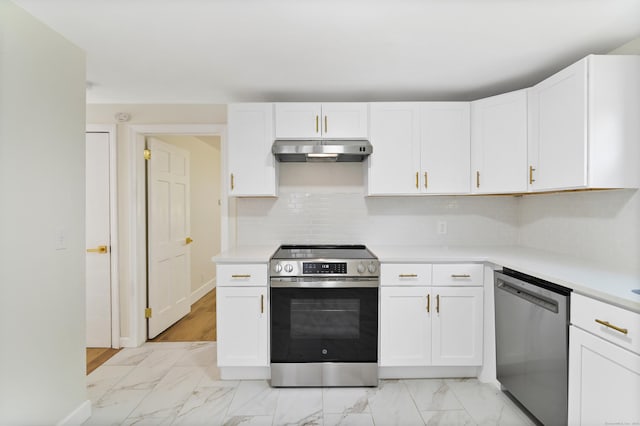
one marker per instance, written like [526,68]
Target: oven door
[324,324]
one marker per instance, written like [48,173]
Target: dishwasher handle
[536,299]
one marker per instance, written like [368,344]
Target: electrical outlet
[442,227]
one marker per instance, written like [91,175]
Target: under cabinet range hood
[302,151]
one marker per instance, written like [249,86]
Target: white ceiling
[219,51]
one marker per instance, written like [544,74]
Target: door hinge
[147,313]
[147,154]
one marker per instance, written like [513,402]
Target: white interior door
[98,256]
[168,234]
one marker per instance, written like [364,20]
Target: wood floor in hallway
[199,325]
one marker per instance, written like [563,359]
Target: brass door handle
[262,303]
[408,275]
[438,303]
[428,302]
[607,324]
[460,276]
[241,276]
[99,249]
[188,240]
[531,179]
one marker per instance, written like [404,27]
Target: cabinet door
[445,147]
[558,130]
[457,326]
[499,144]
[405,326]
[604,381]
[252,166]
[346,120]
[298,120]
[394,165]
[242,323]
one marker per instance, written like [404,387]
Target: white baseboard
[126,342]
[202,290]
[77,416]
[439,372]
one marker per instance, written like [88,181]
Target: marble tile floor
[179,384]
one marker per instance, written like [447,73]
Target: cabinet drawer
[464,274]
[242,275]
[408,274]
[585,311]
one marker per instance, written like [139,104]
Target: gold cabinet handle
[232,184]
[607,324]
[188,240]
[417,178]
[262,303]
[326,126]
[99,249]
[437,303]
[408,275]
[460,276]
[428,302]
[241,276]
[426,180]
[477,179]
[317,125]
[531,179]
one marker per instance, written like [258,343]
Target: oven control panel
[297,268]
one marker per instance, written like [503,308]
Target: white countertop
[581,276]
[246,254]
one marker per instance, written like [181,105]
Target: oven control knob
[277,267]
[361,267]
[372,268]
[288,267]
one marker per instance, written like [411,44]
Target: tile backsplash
[326,203]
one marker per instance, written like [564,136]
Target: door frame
[111,129]
[138,217]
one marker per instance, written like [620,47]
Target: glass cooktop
[323,252]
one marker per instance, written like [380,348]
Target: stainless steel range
[324,316]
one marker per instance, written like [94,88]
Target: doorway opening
[138,272]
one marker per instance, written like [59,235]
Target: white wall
[42,292]
[325,203]
[205,209]
[141,114]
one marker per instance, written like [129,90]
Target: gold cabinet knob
[188,240]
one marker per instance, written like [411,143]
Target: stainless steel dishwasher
[532,343]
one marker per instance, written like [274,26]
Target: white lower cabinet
[604,377]
[242,326]
[456,333]
[405,326]
[425,325]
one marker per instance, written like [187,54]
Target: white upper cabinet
[334,120]
[419,148]
[395,136]
[499,144]
[445,147]
[584,127]
[252,166]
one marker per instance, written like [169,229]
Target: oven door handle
[289,283]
